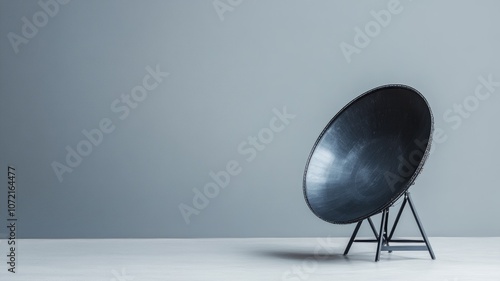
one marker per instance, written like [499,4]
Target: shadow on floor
[365,256]
[320,257]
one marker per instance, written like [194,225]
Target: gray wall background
[227,74]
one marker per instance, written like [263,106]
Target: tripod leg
[373,228]
[381,235]
[353,236]
[386,238]
[420,227]
[398,216]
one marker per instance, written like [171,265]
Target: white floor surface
[294,259]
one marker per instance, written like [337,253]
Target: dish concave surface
[368,155]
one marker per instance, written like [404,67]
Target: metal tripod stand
[384,238]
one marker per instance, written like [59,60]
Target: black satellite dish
[367,157]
